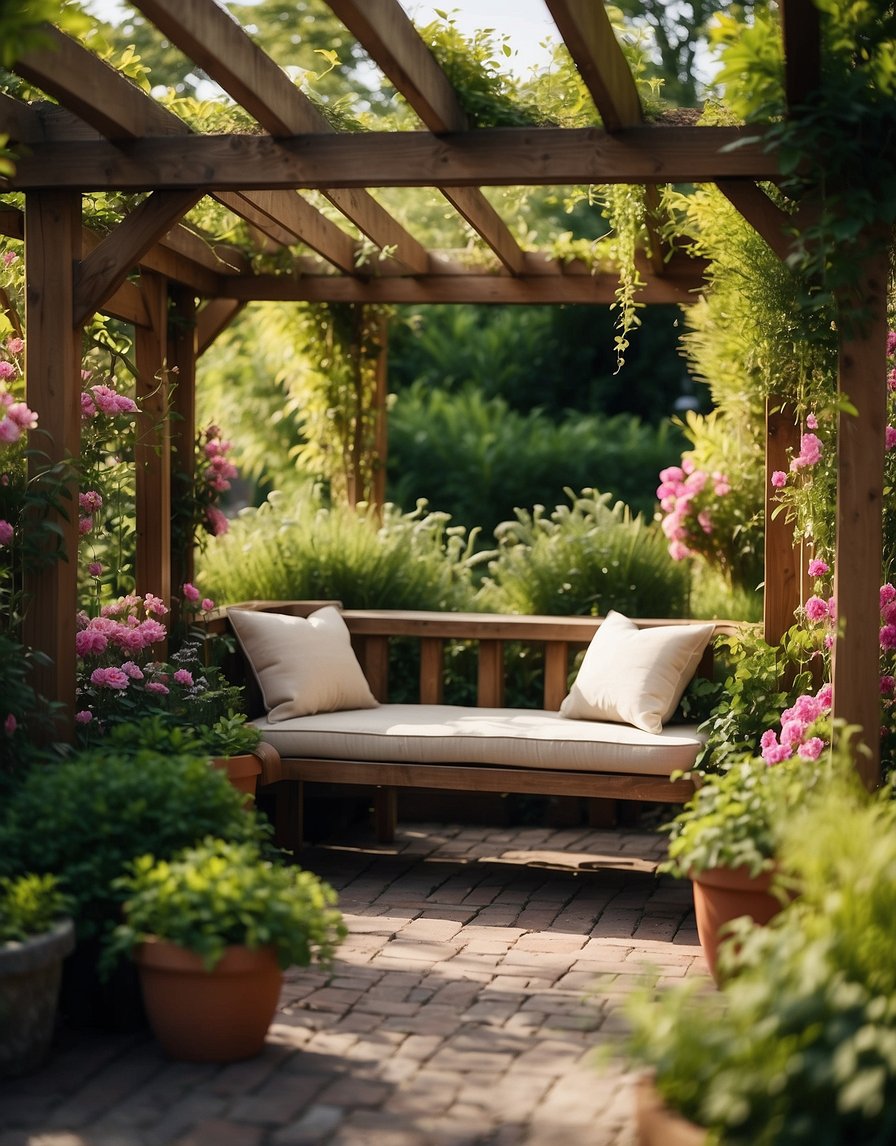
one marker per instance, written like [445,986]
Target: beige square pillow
[303,664]
[635,676]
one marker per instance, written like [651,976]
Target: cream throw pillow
[303,664]
[635,676]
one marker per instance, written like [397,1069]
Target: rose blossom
[818,568]
[183,677]
[190,592]
[109,678]
[6,532]
[84,716]
[779,479]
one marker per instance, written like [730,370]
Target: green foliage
[84,818]
[229,735]
[736,819]
[298,549]
[587,557]
[753,695]
[30,904]
[799,1046]
[218,894]
[479,461]
[489,96]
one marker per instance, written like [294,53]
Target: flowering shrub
[121,678]
[196,510]
[710,504]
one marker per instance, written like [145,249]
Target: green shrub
[478,460]
[297,549]
[218,894]
[83,819]
[799,1046]
[29,905]
[586,558]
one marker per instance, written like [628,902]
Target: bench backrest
[372,630]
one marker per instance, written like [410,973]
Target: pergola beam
[100,273]
[211,38]
[385,31]
[503,157]
[588,35]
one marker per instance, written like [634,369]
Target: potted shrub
[231,744]
[797,1046]
[725,841]
[36,934]
[211,931]
[84,818]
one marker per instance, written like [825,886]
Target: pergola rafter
[106,134]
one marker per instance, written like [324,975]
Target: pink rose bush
[122,676]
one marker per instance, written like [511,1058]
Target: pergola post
[381,430]
[782,588]
[152,456]
[859,546]
[53,387]
[182,350]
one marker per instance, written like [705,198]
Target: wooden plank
[484,778]
[107,101]
[152,451]
[860,475]
[101,272]
[485,220]
[781,595]
[127,304]
[210,37]
[94,90]
[373,655]
[301,221]
[263,220]
[53,386]
[556,674]
[503,156]
[395,46]
[213,318]
[378,225]
[490,676]
[764,216]
[182,336]
[588,34]
[431,670]
[801,31]
[386,32]
[598,289]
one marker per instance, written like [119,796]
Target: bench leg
[289,810]
[385,813]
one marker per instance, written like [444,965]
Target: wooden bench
[372,631]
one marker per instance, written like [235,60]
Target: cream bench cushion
[511,737]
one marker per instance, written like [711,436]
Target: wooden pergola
[99,132]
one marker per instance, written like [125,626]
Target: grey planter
[30,972]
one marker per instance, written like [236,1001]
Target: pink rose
[818,568]
[207,604]
[183,677]
[190,592]
[84,716]
[6,532]
[109,678]
[779,479]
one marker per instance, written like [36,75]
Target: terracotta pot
[220,1015]
[722,894]
[657,1125]
[30,974]
[242,771]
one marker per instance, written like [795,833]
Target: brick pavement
[481,976]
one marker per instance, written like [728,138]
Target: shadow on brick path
[482,973]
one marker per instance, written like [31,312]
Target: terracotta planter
[220,1015]
[723,894]
[30,974]
[657,1125]
[242,771]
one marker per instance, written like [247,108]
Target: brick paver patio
[481,975]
